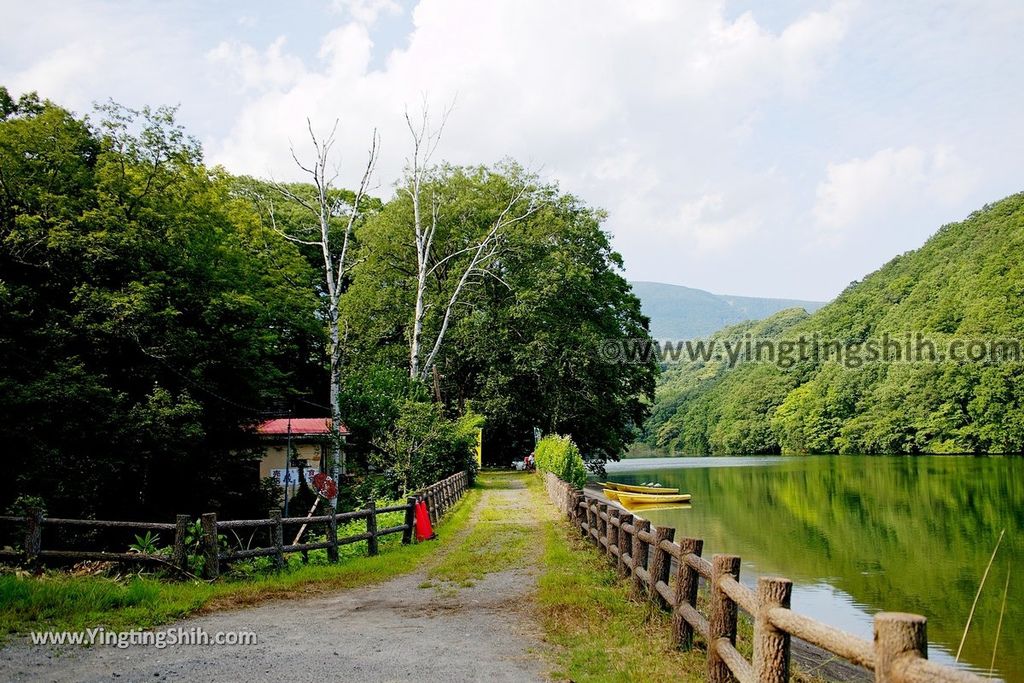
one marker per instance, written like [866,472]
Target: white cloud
[734,150]
[366,11]
[708,224]
[555,85]
[860,191]
[246,68]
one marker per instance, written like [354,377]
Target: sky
[781,148]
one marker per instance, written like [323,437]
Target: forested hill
[965,284]
[678,312]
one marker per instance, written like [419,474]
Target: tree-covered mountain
[965,285]
[678,312]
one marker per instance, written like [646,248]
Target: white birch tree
[324,210]
[478,256]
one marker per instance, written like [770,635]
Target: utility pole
[288,463]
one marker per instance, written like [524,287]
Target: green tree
[525,341]
[144,320]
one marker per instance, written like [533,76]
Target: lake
[863,534]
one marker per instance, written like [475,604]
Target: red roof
[299,426]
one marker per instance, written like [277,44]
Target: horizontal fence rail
[668,571]
[439,497]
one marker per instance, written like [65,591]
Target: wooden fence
[439,498]
[667,571]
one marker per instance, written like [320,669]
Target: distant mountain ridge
[679,312]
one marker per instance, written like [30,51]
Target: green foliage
[424,446]
[559,455]
[967,282]
[147,544]
[22,505]
[145,318]
[524,344]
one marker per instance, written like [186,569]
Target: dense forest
[965,285]
[153,310]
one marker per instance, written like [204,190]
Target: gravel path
[415,627]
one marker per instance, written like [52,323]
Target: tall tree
[524,347]
[422,178]
[324,208]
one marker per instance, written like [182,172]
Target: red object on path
[424,531]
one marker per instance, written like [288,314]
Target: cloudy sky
[779,148]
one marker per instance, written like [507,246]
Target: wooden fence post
[180,555]
[211,551]
[625,545]
[771,646]
[410,520]
[898,636]
[687,581]
[33,536]
[602,527]
[332,536]
[277,538]
[613,534]
[639,554]
[661,562]
[588,517]
[722,617]
[576,516]
[371,529]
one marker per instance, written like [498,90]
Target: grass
[495,544]
[597,632]
[63,602]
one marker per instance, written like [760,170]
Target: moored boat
[647,498]
[631,488]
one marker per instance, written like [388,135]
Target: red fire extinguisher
[424,531]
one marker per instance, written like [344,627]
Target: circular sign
[325,486]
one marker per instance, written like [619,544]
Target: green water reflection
[864,534]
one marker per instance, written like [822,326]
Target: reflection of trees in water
[908,534]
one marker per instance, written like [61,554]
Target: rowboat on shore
[648,498]
[654,507]
[630,488]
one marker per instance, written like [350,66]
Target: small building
[310,442]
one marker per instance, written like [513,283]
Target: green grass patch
[60,601]
[495,544]
[598,633]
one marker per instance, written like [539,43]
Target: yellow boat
[610,495]
[646,498]
[630,488]
[655,507]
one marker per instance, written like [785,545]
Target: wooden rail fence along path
[667,571]
[439,498]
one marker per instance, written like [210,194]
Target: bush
[559,455]
[424,446]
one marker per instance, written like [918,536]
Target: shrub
[559,455]
[424,446]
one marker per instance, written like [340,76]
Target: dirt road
[462,617]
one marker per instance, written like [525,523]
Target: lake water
[863,534]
